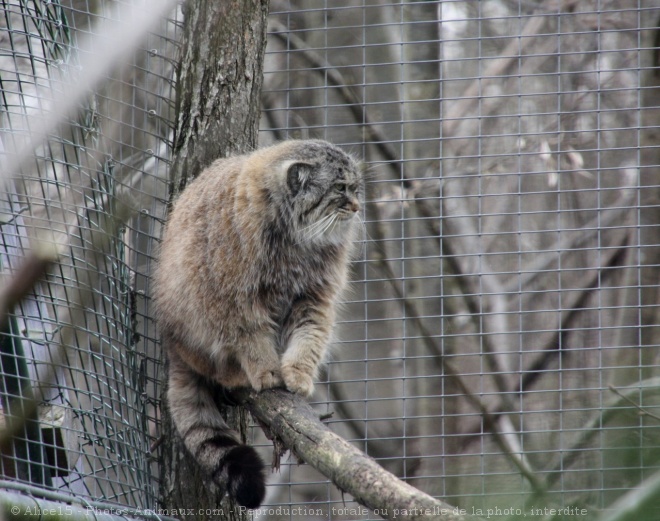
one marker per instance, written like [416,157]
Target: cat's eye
[340,187]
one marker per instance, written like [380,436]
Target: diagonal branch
[489,419]
[335,78]
[290,419]
[33,268]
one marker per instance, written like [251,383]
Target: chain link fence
[499,346]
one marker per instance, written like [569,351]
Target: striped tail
[234,467]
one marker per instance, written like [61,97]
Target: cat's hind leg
[233,466]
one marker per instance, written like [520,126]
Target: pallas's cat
[252,263]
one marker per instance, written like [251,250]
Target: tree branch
[32,268]
[289,419]
[354,104]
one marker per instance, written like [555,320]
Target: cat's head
[324,190]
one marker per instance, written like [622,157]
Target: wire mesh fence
[93,189]
[498,348]
[502,322]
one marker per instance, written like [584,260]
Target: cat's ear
[297,175]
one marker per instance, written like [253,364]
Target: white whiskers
[315,230]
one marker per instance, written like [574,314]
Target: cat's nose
[353,204]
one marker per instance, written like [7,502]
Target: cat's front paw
[266,379]
[297,381]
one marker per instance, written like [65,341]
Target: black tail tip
[246,476]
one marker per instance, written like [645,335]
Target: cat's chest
[288,278]
[280,285]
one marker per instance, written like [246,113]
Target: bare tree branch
[574,302]
[625,398]
[502,441]
[31,270]
[33,267]
[470,97]
[291,420]
[335,78]
[499,67]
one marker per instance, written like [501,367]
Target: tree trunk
[219,79]
[218,83]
